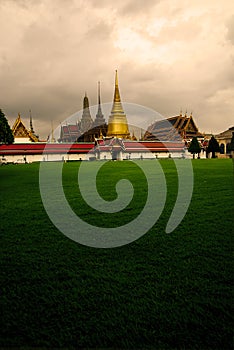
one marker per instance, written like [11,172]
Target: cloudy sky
[170,54]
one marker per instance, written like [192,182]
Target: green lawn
[163,291]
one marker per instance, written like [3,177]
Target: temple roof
[173,128]
[20,131]
[227,134]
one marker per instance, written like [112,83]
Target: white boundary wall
[89,156]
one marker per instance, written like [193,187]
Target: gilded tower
[117,125]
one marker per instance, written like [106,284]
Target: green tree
[213,146]
[6,135]
[194,147]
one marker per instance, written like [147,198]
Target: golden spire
[99,94]
[116,77]
[117,94]
[117,105]
[117,125]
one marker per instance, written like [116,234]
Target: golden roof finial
[99,95]
[117,94]
[116,77]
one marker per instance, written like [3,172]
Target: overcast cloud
[170,54]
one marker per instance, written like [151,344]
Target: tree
[6,135]
[194,147]
[213,146]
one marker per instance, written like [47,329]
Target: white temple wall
[89,156]
[20,158]
[22,140]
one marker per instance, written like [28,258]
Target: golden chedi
[117,124]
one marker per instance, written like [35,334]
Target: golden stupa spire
[117,105]
[117,125]
[117,94]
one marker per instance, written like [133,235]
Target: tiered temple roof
[20,132]
[173,128]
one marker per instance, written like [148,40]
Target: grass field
[163,291]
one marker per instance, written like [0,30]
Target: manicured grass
[163,291]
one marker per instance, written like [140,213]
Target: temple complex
[92,138]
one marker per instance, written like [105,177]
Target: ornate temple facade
[21,133]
